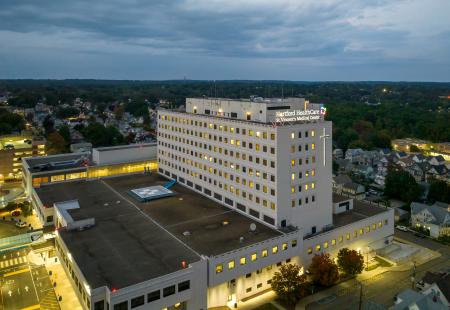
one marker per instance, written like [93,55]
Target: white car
[21,224]
[402,228]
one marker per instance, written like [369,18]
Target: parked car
[15,213]
[21,224]
[9,147]
[402,228]
[27,141]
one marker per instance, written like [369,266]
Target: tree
[56,144]
[324,271]
[288,284]
[401,185]
[64,131]
[118,112]
[25,208]
[350,262]
[439,191]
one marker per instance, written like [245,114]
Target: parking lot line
[35,307]
[15,272]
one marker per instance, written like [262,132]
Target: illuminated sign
[300,115]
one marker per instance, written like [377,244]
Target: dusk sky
[305,40]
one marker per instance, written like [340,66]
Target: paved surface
[24,285]
[383,287]
[9,228]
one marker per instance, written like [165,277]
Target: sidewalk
[63,288]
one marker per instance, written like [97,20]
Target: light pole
[368,251]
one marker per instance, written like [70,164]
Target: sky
[300,40]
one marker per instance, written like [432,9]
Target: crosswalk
[13,262]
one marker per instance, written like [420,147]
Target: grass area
[382,262]
[267,306]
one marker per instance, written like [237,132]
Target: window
[243,261]
[275,250]
[310,250]
[333,242]
[219,268]
[170,290]
[183,286]
[153,296]
[341,239]
[264,253]
[325,245]
[318,247]
[284,246]
[137,301]
[313,146]
[259,285]
[347,236]
[248,275]
[248,290]
[99,305]
[254,257]
[294,243]
[231,264]
[122,306]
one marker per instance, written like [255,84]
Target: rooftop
[154,230]
[123,147]
[360,211]
[58,162]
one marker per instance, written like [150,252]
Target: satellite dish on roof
[252,227]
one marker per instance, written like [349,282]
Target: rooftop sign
[300,115]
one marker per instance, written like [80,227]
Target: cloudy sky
[306,40]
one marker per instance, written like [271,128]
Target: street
[382,289]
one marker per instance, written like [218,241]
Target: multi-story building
[269,159]
[243,186]
[12,149]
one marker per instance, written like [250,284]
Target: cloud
[311,33]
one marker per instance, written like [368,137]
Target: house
[409,299]
[437,172]
[365,171]
[417,170]
[436,160]
[433,218]
[419,158]
[338,154]
[401,155]
[438,282]
[371,157]
[354,155]
[384,152]
[405,162]
[342,184]
[345,165]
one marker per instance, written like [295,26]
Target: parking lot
[24,284]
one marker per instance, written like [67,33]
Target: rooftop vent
[106,204]
[186,233]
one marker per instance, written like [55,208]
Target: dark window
[170,290]
[207,112]
[49,218]
[167,173]
[174,176]
[313,229]
[248,275]
[269,220]
[249,117]
[283,107]
[122,306]
[183,286]
[240,207]
[181,180]
[153,296]
[259,285]
[228,201]
[198,187]
[233,114]
[288,261]
[248,290]
[253,213]
[217,196]
[189,183]
[283,223]
[99,305]
[207,192]
[137,301]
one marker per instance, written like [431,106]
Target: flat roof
[361,210]
[58,162]
[122,239]
[124,147]
[145,240]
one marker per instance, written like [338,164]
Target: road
[383,288]
[24,285]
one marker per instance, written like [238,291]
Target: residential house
[343,184]
[437,172]
[338,154]
[417,170]
[354,155]
[436,160]
[412,300]
[438,282]
[419,158]
[365,171]
[345,165]
[434,218]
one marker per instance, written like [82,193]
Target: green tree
[439,191]
[25,208]
[56,144]
[323,270]
[64,131]
[350,262]
[401,185]
[288,284]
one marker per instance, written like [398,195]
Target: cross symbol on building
[324,136]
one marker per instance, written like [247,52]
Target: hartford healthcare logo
[323,111]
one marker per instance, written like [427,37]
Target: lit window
[264,253]
[294,243]
[325,245]
[313,146]
[374,226]
[313,133]
[310,250]
[275,250]
[253,257]
[284,246]
[361,231]
[313,185]
[347,236]
[219,268]
[340,239]
[292,176]
[367,229]
[333,242]
[243,261]
[306,187]
[380,224]
[292,163]
[318,247]
[292,189]
[231,264]
[292,135]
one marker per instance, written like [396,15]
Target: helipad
[151,193]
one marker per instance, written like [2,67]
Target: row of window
[152,296]
[224,128]
[348,236]
[229,202]
[231,188]
[231,264]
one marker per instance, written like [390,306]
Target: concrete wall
[122,154]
